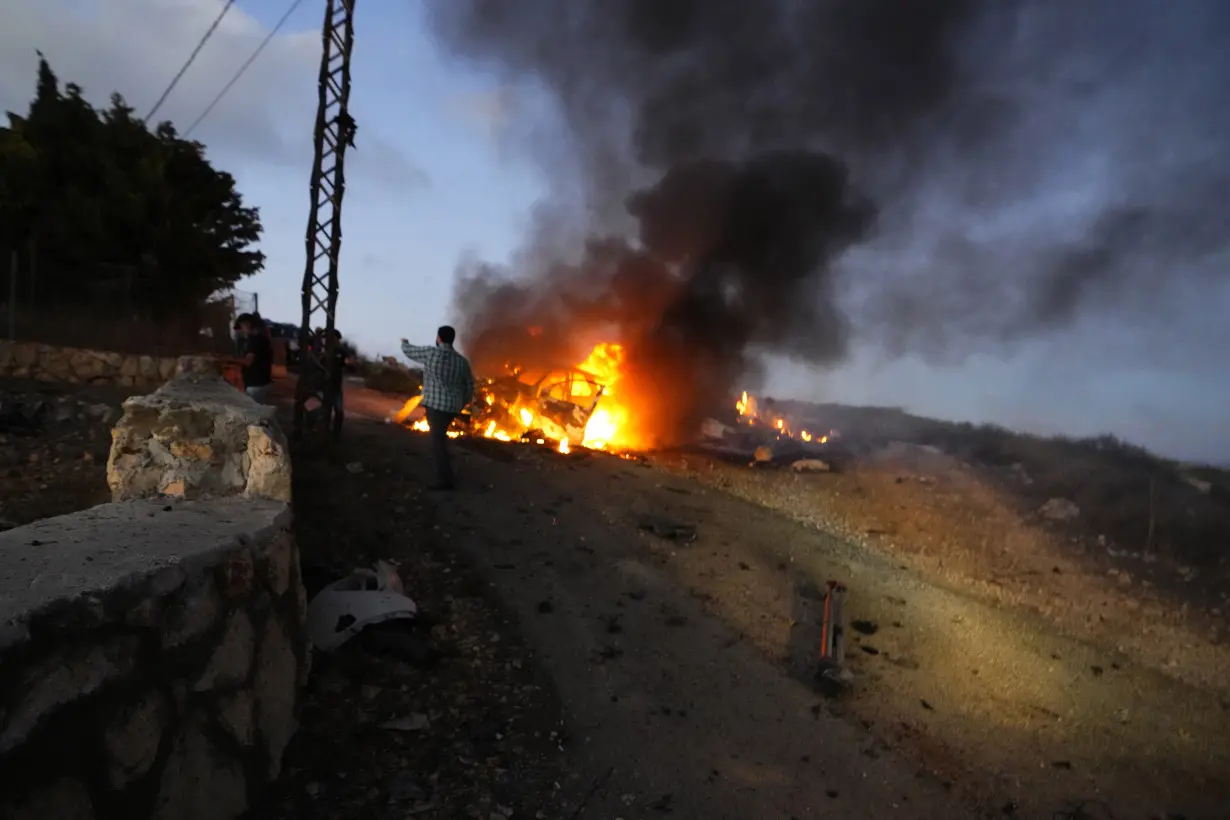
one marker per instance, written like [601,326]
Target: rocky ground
[953,522]
[684,665]
[54,443]
[607,637]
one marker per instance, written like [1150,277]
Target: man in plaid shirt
[448,386]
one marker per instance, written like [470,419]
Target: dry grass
[1129,498]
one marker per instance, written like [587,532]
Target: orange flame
[749,413]
[517,415]
[607,427]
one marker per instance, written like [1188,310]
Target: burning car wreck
[555,405]
[563,406]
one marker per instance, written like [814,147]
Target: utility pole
[315,399]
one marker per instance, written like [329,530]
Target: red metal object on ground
[833,638]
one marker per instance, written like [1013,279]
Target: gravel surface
[958,708]
[953,523]
[455,719]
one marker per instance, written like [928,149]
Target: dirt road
[685,668]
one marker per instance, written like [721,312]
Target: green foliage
[108,206]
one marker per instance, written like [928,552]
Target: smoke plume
[783,176]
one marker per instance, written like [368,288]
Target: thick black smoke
[931,138]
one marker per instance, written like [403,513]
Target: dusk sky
[441,174]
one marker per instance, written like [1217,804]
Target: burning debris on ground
[590,407]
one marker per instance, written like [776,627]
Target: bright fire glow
[607,427]
[749,413]
[551,411]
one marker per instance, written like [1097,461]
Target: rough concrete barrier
[152,649]
[197,436]
[151,655]
[72,365]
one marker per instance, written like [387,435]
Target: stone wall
[152,649]
[197,436]
[150,655]
[71,365]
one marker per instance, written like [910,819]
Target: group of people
[448,381]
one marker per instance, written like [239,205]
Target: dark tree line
[99,205]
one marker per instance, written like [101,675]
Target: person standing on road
[448,386]
[255,357]
[337,377]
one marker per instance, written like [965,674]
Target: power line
[191,57]
[272,32]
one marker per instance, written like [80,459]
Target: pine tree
[113,209]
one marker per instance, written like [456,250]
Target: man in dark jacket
[255,356]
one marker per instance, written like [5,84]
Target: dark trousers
[438,421]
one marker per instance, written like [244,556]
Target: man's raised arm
[417,353]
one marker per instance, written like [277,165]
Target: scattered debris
[1199,484]
[54,442]
[364,598]
[416,722]
[103,413]
[670,530]
[865,627]
[1060,509]
[21,416]
[716,430]
[810,465]
[831,674]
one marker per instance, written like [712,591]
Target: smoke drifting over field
[935,175]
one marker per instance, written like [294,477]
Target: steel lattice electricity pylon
[316,409]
